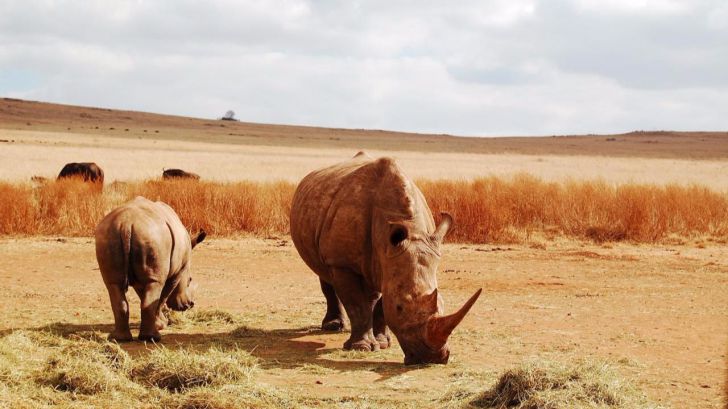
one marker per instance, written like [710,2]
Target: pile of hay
[201,317]
[43,368]
[182,369]
[553,385]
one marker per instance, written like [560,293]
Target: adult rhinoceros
[365,229]
[143,244]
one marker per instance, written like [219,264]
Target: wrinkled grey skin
[143,244]
[365,229]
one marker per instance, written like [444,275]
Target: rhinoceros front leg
[120,307]
[381,332]
[334,318]
[358,301]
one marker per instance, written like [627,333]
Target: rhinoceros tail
[126,233]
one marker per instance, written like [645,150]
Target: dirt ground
[658,313]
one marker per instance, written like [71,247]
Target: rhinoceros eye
[398,236]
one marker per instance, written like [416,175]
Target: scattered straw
[182,369]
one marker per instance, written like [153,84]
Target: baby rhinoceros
[143,244]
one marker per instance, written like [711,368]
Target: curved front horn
[440,328]
[444,227]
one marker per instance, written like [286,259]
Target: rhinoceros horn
[443,228]
[439,328]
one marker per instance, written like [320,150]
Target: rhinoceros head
[183,296]
[413,309]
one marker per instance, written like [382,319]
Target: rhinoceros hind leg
[334,318]
[381,332]
[120,307]
[162,321]
[149,328]
[358,302]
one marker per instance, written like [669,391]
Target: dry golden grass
[498,210]
[540,384]
[493,210]
[46,368]
[41,369]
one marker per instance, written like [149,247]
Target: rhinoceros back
[137,233]
[335,208]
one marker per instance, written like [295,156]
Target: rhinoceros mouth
[431,357]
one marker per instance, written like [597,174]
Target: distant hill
[41,116]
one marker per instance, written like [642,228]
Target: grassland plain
[603,260]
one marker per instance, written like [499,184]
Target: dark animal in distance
[178,174]
[365,229]
[39,180]
[143,244]
[88,171]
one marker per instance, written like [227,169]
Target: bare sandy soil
[657,313]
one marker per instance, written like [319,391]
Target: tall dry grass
[499,210]
[485,210]
[74,208]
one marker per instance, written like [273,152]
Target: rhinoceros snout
[439,357]
[178,306]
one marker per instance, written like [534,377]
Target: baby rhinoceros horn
[439,328]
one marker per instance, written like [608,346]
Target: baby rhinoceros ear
[198,239]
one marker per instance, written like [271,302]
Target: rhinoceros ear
[198,239]
[398,232]
[443,228]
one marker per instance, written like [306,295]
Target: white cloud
[501,67]
[635,6]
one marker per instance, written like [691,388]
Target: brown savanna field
[602,258]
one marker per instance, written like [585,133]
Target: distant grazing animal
[88,171]
[365,229]
[39,180]
[178,174]
[143,244]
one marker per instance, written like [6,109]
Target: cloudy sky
[496,67]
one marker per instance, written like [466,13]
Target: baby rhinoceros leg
[161,321]
[334,318]
[120,308]
[359,303]
[151,322]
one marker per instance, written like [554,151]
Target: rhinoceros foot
[121,336]
[385,341]
[336,324]
[367,344]
[150,337]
